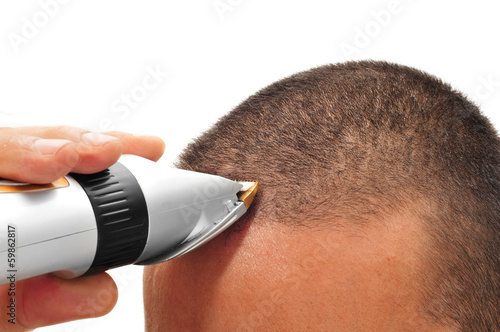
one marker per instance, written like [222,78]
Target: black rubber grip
[121,215]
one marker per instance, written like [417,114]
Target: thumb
[48,300]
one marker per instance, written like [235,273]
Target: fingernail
[96,139]
[49,146]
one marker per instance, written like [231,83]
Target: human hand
[42,155]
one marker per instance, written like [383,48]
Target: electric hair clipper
[134,212]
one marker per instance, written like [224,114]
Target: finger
[31,159]
[95,152]
[48,300]
[92,152]
[150,147]
[56,132]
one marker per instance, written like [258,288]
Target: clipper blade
[247,192]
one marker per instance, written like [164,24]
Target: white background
[71,62]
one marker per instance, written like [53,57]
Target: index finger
[150,147]
[66,149]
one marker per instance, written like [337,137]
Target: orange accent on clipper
[248,195]
[18,187]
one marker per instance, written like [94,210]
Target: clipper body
[135,212]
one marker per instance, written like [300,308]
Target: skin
[273,277]
[37,155]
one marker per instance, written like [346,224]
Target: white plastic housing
[55,231]
[180,203]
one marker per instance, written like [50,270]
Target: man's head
[378,209]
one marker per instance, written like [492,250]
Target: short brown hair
[364,139]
